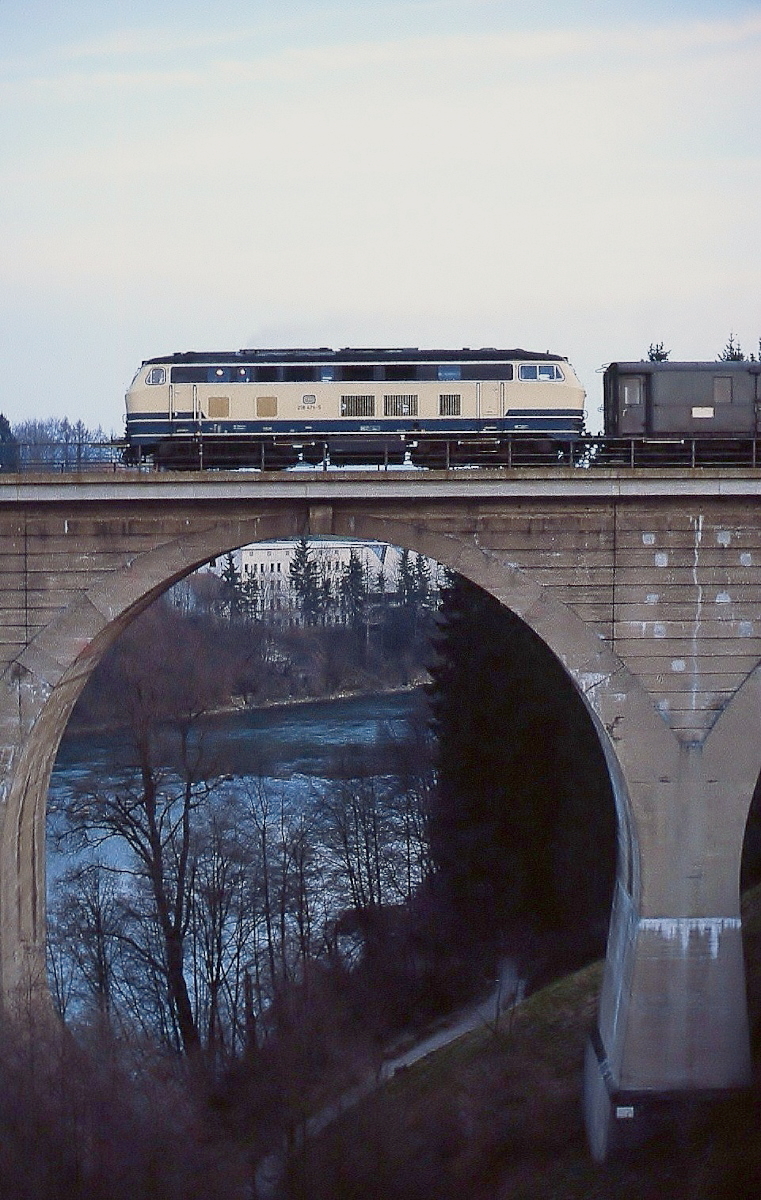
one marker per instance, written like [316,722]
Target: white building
[267,566]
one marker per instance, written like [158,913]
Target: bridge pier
[672,1024]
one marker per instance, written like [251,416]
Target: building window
[449,404]
[358,406]
[400,406]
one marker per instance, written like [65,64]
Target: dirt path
[509,991]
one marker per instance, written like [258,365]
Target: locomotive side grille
[400,406]
[449,404]
[358,406]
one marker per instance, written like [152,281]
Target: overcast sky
[175,175]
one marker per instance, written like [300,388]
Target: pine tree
[657,352]
[732,352]
[232,591]
[305,582]
[354,591]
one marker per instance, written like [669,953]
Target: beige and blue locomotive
[272,408]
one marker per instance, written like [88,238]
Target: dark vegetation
[523,830]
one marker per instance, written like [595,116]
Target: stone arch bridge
[647,587]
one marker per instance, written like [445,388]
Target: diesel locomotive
[272,408]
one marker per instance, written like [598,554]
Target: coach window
[156,375]
[630,390]
[449,371]
[722,389]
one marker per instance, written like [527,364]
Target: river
[296,748]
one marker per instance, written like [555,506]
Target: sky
[583,178]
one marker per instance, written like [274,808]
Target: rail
[449,454]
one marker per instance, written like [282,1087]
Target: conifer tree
[305,582]
[732,352]
[523,830]
[354,591]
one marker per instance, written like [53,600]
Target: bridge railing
[439,453]
[63,457]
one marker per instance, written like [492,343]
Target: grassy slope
[497,1114]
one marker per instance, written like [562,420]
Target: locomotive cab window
[156,375]
[549,371]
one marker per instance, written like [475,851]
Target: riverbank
[74,729]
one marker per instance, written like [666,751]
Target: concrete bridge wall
[647,587]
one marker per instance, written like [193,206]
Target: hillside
[497,1116]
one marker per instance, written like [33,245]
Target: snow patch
[682,928]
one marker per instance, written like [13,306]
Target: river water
[296,748]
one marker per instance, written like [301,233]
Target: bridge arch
[52,672]
[732,761]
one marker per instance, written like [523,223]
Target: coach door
[632,404]
[489,399]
